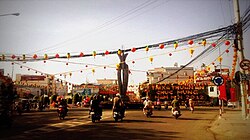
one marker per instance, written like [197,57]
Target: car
[231,104]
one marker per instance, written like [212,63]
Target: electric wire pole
[241,57]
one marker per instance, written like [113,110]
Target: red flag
[222,89]
[233,94]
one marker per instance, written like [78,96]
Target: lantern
[170,54]
[57,55]
[24,57]
[161,46]
[151,59]
[213,44]
[175,44]
[147,49]
[227,51]
[45,56]
[119,52]
[191,51]
[133,49]
[117,66]
[94,53]
[204,42]
[81,54]
[133,62]
[35,56]
[227,42]
[190,42]
[68,55]
[220,59]
[106,52]
[13,56]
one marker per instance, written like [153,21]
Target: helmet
[118,95]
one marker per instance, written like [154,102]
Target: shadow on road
[160,117]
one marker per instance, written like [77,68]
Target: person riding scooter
[95,105]
[118,105]
[147,106]
[175,105]
[64,105]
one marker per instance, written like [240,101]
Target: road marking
[63,125]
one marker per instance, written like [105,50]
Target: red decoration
[35,56]
[67,63]
[170,54]
[227,43]
[133,49]
[161,46]
[133,62]
[227,51]
[13,56]
[81,54]
[57,55]
[214,45]
[86,66]
[190,42]
[44,61]
[106,52]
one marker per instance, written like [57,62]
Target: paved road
[77,125]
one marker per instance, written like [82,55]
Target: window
[185,73]
[211,89]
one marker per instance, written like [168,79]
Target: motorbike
[117,115]
[61,112]
[148,112]
[176,113]
[95,115]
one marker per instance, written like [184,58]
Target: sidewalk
[231,126]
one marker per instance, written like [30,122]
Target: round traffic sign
[218,80]
[245,64]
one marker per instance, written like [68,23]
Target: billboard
[32,78]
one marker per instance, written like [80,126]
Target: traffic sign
[245,64]
[218,80]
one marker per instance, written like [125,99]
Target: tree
[75,99]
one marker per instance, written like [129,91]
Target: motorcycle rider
[175,104]
[118,104]
[64,105]
[191,105]
[95,104]
[147,105]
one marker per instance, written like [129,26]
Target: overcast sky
[74,26]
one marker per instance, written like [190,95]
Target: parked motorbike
[176,113]
[61,112]
[117,115]
[95,115]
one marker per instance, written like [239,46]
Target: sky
[74,26]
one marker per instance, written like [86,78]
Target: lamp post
[11,14]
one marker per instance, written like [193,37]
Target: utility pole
[241,57]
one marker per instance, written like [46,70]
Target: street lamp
[11,14]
